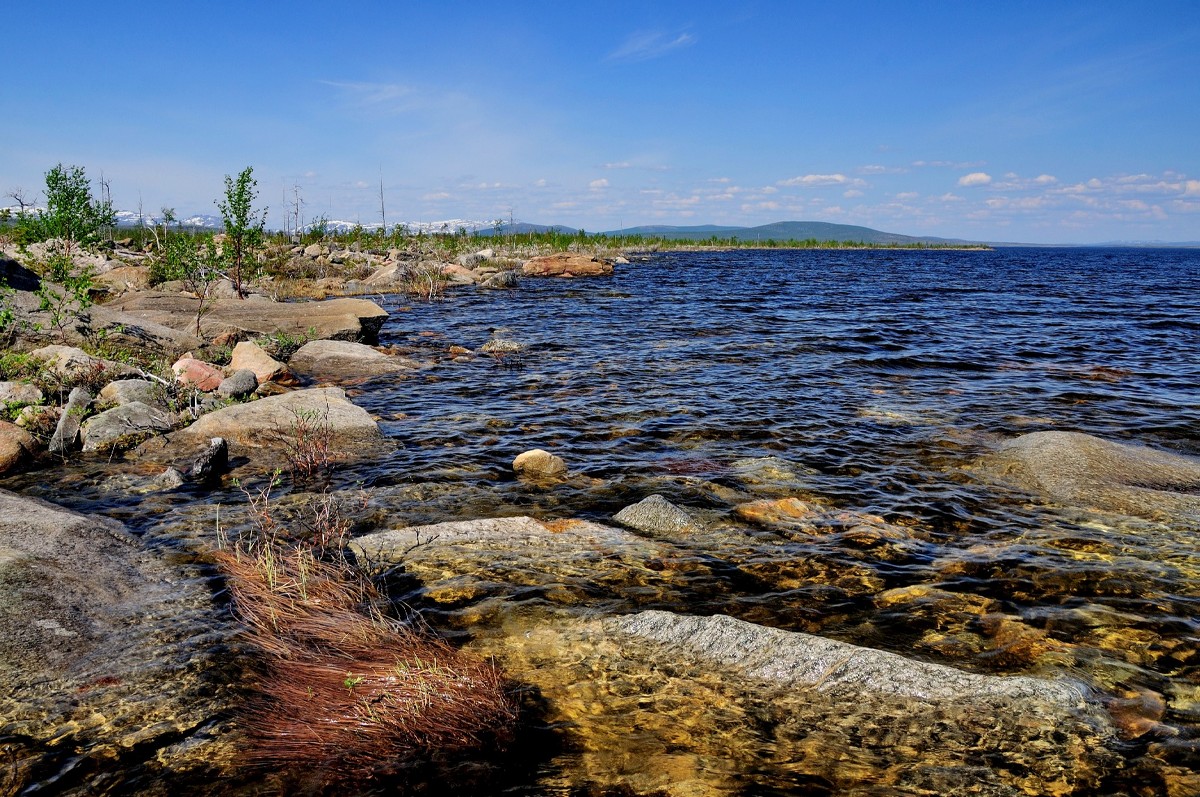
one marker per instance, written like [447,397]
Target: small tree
[243,224]
[72,216]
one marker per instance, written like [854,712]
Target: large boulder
[339,319]
[344,361]
[566,264]
[110,658]
[701,702]
[324,415]
[1083,471]
[123,426]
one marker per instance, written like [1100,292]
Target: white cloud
[905,195]
[1191,188]
[809,180]
[770,189]
[1045,179]
[852,193]
[950,197]
[540,183]
[435,196]
[644,45]
[975,178]
[874,168]
[619,165]
[598,184]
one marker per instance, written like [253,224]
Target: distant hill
[786,231]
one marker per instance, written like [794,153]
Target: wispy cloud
[389,96]
[950,164]
[644,45]
[811,180]
[596,185]
[619,165]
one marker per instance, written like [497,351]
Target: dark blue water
[855,363]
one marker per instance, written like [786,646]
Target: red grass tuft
[347,690]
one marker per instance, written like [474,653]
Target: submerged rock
[522,562]
[714,705]
[1085,471]
[801,661]
[110,659]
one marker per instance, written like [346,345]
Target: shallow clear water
[881,377]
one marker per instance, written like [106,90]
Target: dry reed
[347,691]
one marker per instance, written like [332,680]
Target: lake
[867,382]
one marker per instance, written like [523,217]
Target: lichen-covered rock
[16,393]
[340,319]
[123,426]
[191,372]
[66,434]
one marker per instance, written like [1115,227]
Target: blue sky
[1047,122]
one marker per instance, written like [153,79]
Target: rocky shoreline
[122,664]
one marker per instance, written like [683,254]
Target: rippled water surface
[878,380]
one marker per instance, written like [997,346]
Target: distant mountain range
[786,231]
